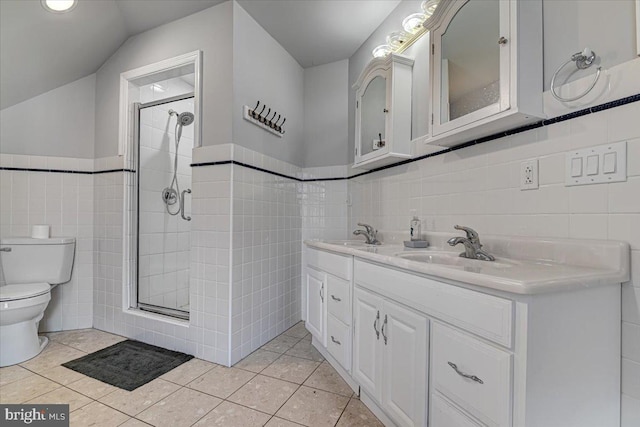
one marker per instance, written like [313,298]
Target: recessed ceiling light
[59,6]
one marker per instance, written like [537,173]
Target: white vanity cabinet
[486,69]
[442,353]
[390,356]
[328,285]
[383,112]
[316,313]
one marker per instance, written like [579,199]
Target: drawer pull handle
[335,340]
[462,374]
[335,298]
[383,326]
[375,325]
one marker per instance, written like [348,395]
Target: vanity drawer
[339,298]
[339,341]
[338,265]
[444,414]
[487,396]
[484,315]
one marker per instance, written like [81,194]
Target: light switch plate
[529,175]
[601,164]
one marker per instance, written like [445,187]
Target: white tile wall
[479,187]
[65,202]
[266,256]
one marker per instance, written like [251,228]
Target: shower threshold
[180,314]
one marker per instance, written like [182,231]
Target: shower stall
[164,139]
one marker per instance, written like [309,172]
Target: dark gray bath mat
[128,364]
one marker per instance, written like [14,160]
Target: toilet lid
[23,290]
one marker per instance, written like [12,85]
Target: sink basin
[349,243]
[452,259]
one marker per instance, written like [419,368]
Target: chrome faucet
[472,245]
[369,233]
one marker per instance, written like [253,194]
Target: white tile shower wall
[266,252]
[479,187]
[206,334]
[210,260]
[164,239]
[65,202]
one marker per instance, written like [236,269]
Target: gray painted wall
[606,26]
[209,31]
[58,123]
[326,110]
[263,70]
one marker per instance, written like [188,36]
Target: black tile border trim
[539,124]
[3,168]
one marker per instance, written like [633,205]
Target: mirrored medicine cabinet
[485,76]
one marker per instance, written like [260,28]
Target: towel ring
[583,61]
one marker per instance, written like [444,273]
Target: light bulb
[429,6]
[397,39]
[381,51]
[413,23]
[59,6]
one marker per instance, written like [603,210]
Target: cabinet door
[404,392]
[316,316]
[471,64]
[367,341]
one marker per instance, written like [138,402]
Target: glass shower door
[165,142]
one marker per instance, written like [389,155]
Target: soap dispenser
[415,229]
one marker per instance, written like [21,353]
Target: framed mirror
[470,62]
[373,115]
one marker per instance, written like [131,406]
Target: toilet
[31,267]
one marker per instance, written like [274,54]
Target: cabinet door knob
[502,40]
[462,374]
[335,298]
[335,340]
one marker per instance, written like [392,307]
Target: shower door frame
[180,314]
[128,144]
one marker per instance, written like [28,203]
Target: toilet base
[24,342]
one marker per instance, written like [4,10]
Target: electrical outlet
[529,175]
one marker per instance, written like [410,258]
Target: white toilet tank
[30,260]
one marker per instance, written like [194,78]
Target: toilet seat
[23,291]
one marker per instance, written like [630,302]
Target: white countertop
[533,266]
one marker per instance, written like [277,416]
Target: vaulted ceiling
[41,51]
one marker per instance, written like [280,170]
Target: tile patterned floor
[286,383]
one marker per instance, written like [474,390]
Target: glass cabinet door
[471,64]
[373,111]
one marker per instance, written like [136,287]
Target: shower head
[185,119]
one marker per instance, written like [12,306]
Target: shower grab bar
[186,218]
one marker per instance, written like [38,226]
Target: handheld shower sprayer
[170,195]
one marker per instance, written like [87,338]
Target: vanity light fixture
[413,23]
[397,39]
[59,6]
[381,51]
[429,6]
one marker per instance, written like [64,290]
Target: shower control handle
[186,218]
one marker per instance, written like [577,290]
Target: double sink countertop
[523,265]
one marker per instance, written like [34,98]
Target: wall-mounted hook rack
[266,121]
